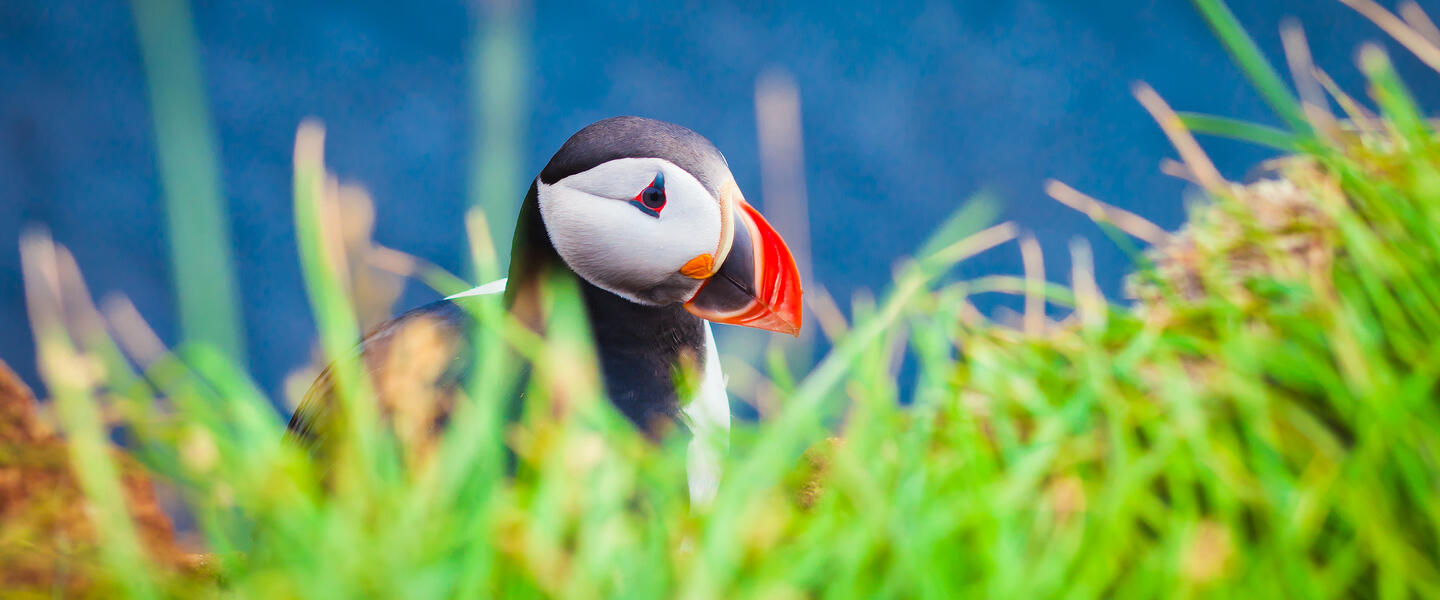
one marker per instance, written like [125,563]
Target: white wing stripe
[494,287]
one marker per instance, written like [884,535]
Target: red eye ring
[651,200]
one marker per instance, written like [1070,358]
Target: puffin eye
[651,200]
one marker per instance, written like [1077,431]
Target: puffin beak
[757,285]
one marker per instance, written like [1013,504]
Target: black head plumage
[638,137]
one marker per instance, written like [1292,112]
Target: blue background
[909,108]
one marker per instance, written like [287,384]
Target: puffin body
[648,221]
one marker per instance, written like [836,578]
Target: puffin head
[648,211]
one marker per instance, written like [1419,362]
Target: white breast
[708,415]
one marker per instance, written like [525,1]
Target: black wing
[416,363]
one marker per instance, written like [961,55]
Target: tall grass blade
[1252,63]
[497,67]
[195,207]
[72,377]
[1236,129]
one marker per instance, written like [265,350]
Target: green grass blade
[1395,101]
[498,62]
[1252,63]
[195,207]
[70,375]
[335,316]
[1244,131]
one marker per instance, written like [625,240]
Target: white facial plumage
[606,239]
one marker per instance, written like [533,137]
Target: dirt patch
[48,542]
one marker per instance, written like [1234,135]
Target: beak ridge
[758,285]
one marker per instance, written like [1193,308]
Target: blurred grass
[1261,422]
[497,65]
[199,232]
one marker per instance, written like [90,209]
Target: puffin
[646,218]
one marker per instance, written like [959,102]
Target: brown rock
[47,540]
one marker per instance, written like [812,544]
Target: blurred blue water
[909,107]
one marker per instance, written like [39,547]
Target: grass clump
[1262,421]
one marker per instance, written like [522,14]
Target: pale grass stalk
[394,261]
[1089,301]
[1126,221]
[1365,120]
[1178,170]
[482,245]
[970,315]
[1302,70]
[976,243]
[1413,40]
[1180,137]
[782,162]
[1420,22]
[331,235]
[827,312]
[132,332]
[1034,261]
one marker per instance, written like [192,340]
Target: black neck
[640,347]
